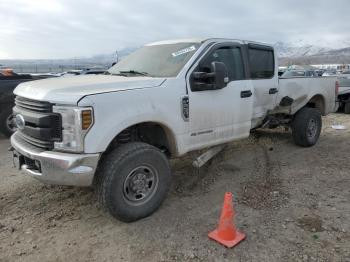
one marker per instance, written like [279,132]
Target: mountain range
[300,52]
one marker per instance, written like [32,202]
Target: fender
[113,114]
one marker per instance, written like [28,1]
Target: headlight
[76,122]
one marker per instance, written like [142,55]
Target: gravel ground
[292,203]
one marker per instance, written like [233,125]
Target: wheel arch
[151,132]
[318,102]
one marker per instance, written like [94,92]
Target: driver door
[220,115]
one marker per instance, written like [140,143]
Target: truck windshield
[164,60]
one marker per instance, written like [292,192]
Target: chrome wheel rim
[140,185]
[312,128]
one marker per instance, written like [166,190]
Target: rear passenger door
[221,115]
[264,76]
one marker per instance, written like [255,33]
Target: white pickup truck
[117,131]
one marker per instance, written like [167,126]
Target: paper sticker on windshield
[184,51]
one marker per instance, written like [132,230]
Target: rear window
[261,62]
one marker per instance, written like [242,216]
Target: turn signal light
[86,119]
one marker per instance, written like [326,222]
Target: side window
[261,63]
[231,57]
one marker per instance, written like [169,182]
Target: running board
[206,156]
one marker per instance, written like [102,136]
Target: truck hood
[69,90]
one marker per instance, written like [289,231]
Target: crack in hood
[69,90]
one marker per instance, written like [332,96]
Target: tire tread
[3,117]
[300,123]
[110,163]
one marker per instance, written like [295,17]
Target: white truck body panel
[303,89]
[155,105]
[69,90]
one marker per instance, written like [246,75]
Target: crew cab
[117,131]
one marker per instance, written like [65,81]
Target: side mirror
[221,74]
[216,79]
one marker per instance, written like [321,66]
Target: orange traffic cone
[226,232]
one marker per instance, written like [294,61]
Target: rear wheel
[7,125]
[306,127]
[133,181]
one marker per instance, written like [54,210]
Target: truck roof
[201,40]
[174,41]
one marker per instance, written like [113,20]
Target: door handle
[246,93]
[273,91]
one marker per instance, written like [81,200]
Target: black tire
[306,126]
[5,127]
[119,185]
[347,108]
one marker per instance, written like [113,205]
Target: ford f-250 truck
[117,131]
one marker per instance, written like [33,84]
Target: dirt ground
[292,203]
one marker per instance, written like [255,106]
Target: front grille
[32,105]
[42,127]
[47,145]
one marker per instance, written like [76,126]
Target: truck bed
[322,87]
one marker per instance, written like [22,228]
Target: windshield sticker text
[184,51]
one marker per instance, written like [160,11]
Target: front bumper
[54,167]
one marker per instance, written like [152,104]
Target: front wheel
[7,125]
[133,180]
[306,126]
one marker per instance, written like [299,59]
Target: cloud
[3,55]
[65,28]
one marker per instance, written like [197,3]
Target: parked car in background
[330,73]
[319,72]
[345,74]
[281,72]
[87,71]
[8,83]
[72,72]
[93,71]
[299,73]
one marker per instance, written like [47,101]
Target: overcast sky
[77,28]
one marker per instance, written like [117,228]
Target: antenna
[117,56]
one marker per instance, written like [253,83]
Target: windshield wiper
[121,74]
[113,74]
[134,72]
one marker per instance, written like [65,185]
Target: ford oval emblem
[20,122]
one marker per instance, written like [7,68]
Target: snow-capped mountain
[301,53]
[298,49]
[302,48]
[337,52]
